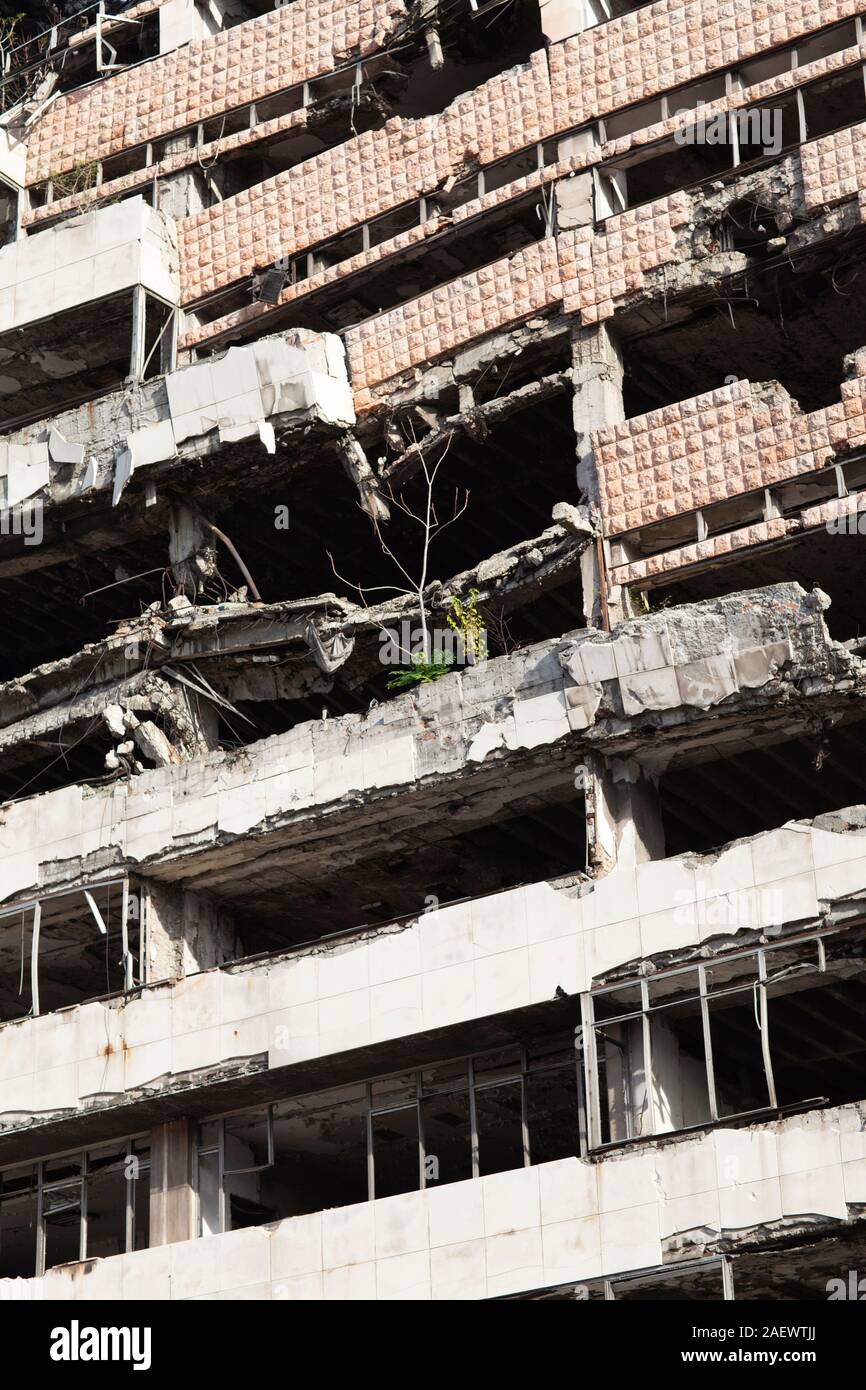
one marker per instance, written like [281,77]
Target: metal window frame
[87,890]
[255,1167]
[112,65]
[42,1188]
[659,1274]
[702,998]
[471,1088]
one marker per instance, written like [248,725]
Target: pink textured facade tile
[205,79]
[834,167]
[719,445]
[625,60]
[505,292]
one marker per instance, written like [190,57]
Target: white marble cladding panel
[511,1232]
[450,966]
[86,258]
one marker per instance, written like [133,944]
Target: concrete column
[172,1204]
[190,548]
[184,933]
[598,401]
[183,193]
[624,823]
[573,196]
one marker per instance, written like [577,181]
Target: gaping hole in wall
[296,898]
[758,1032]
[706,805]
[78,1206]
[60,40]
[784,320]
[65,948]
[64,358]
[834,560]
[476,44]
[421,1129]
[514,475]
[75,753]
[86,595]
[225,14]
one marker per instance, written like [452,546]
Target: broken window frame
[666,1273]
[610,177]
[590,1027]
[607,1289]
[88,890]
[471,1086]
[45,1188]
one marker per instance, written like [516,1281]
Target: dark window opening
[749,1033]
[447,1123]
[80,1206]
[765,130]
[834,562]
[705,806]
[477,45]
[519,846]
[802,322]
[662,171]
[834,103]
[78,950]
[8,212]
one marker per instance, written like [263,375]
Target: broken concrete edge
[324,627]
[262,390]
[178,631]
[511,705]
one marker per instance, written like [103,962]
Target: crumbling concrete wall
[279,386]
[185,933]
[748,656]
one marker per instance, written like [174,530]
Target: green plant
[9,29]
[78,179]
[420,672]
[467,622]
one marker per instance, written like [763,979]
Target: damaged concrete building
[432,694]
